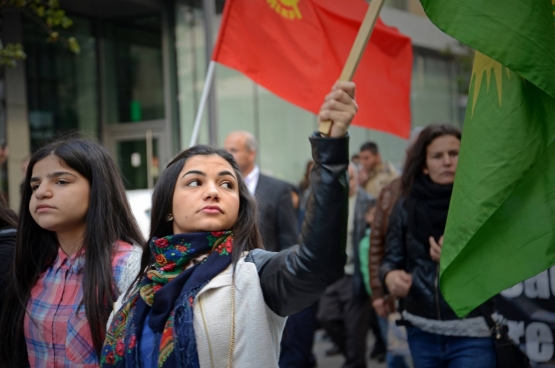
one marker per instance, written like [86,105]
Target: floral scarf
[165,297]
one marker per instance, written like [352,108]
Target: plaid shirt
[56,329]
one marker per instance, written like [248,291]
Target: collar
[74,262]
[251,179]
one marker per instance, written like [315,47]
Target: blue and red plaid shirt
[57,332]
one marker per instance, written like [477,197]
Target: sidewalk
[336,361]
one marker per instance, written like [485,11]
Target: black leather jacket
[294,279]
[404,252]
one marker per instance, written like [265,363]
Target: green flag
[501,223]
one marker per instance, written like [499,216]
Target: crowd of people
[231,254]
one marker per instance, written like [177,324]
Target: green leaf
[54,36]
[66,22]
[54,4]
[73,45]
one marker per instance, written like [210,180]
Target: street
[320,347]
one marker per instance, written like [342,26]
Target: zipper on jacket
[436,284]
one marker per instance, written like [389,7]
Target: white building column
[17,119]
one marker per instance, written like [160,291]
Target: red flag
[297,49]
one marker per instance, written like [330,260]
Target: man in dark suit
[277,219]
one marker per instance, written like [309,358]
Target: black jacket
[294,279]
[7,253]
[277,219]
[404,252]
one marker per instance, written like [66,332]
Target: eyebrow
[56,174]
[197,172]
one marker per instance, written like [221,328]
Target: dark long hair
[245,231]
[416,156]
[108,219]
[8,217]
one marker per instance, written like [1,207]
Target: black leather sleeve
[394,251]
[294,279]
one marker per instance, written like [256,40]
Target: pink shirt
[56,329]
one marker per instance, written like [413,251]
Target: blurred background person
[344,310]
[364,247]
[410,266]
[8,225]
[277,219]
[375,172]
[355,159]
[304,187]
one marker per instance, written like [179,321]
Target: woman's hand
[398,283]
[381,307]
[435,248]
[340,107]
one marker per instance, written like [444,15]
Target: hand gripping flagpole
[359,45]
[203,99]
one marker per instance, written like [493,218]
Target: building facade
[137,82]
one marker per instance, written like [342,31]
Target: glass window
[134,76]
[435,94]
[132,161]
[191,69]
[61,86]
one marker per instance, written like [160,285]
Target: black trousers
[298,339]
[346,317]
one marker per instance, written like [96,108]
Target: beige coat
[381,176]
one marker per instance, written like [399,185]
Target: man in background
[277,219]
[375,172]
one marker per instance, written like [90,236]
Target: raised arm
[293,279]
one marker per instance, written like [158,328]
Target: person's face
[369,215]
[235,144]
[442,156]
[206,196]
[368,160]
[352,181]
[60,199]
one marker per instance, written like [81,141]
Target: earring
[169,217]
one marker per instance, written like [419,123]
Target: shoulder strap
[487,316]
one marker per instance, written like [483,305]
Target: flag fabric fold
[501,224]
[297,49]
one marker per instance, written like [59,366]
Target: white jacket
[258,330]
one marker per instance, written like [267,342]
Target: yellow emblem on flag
[485,65]
[286,8]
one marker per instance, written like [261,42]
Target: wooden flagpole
[359,45]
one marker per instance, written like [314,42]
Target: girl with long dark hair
[208,295]
[74,256]
[410,267]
